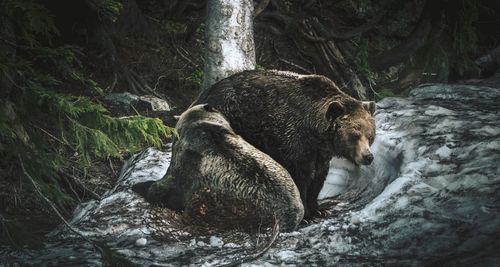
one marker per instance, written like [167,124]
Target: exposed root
[325,34]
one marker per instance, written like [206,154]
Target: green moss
[383,94]
[361,61]
[197,76]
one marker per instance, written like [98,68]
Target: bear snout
[367,158]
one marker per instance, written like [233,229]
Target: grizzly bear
[218,178]
[301,121]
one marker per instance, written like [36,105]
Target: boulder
[124,104]
[127,104]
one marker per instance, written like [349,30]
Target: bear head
[353,129]
[202,117]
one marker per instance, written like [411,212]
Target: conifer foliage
[50,113]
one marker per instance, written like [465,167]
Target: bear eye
[354,138]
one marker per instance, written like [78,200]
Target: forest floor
[164,57]
[169,61]
[34,218]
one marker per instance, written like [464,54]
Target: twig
[54,137]
[70,185]
[295,65]
[185,57]
[9,42]
[143,84]
[289,62]
[79,183]
[107,254]
[111,166]
[259,253]
[152,19]
[113,84]
[71,228]
[158,82]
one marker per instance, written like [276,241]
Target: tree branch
[54,208]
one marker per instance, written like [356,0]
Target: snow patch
[286,256]
[216,242]
[443,152]
[141,242]
[338,177]
[371,211]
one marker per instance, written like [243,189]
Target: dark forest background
[59,59]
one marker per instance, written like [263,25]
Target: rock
[429,198]
[491,81]
[149,102]
[125,104]
[120,104]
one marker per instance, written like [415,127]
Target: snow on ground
[431,197]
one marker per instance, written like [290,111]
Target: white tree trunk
[229,39]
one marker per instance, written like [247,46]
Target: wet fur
[301,121]
[217,177]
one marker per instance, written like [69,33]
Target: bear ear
[208,108]
[369,106]
[335,109]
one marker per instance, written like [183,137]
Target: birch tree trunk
[229,39]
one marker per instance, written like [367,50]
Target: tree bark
[229,39]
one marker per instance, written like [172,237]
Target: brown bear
[301,121]
[217,177]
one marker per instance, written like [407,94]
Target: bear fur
[301,121]
[217,177]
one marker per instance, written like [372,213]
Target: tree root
[326,35]
[431,17]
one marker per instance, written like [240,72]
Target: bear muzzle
[367,158]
